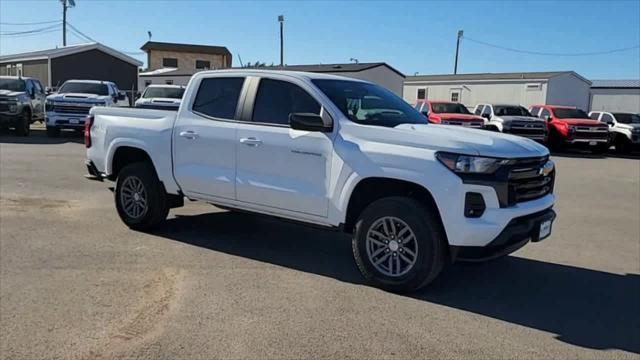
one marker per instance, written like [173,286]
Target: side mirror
[308,122]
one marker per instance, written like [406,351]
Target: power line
[81,33]
[32,34]
[30,23]
[30,31]
[551,53]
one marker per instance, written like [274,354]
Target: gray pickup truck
[21,103]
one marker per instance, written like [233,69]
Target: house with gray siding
[524,88]
[91,61]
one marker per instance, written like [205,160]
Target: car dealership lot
[76,283]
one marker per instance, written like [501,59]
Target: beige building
[170,63]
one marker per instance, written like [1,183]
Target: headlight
[467,164]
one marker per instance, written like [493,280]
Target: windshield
[369,104]
[84,88]
[568,113]
[12,84]
[510,111]
[626,118]
[449,108]
[163,92]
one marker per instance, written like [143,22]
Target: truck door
[279,167]
[204,140]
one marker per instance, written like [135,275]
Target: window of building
[422,94]
[170,62]
[218,97]
[203,65]
[168,82]
[276,100]
[18,69]
[455,96]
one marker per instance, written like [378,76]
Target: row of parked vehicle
[553,125]
[24,100]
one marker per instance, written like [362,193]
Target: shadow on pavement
[587,308]
[39,136]
[585,154]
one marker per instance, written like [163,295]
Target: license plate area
[545,230]
[593,143]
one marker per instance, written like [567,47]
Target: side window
[606,118]
[535,110]
[487,110]
[594,115]
[478,110]
[170,62]
[422,94]
[276,99]
[30,87]
[544,114]
[218,97]
[38,87]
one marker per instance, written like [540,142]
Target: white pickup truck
[299,146]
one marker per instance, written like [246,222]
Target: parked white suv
[301,146]
[623,127]
[513,119]
[161,97]
[68,108]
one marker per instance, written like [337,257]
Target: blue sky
[412,36]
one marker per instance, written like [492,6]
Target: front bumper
[9,117]
[518,232]
[65,121]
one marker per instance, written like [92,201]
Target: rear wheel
[23,124]
[140,197]
[53,131]
[398,244]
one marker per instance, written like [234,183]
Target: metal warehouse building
[526,88]
[379,73]
[616,95]
[92,61]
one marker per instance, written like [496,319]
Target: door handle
[251,141]
[189,134]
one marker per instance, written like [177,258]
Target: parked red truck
[570,126]
[448,113]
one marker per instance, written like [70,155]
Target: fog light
[474,205]
[13,108]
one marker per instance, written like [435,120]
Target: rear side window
[218,97]
[277,99]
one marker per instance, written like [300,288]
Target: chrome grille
[527,182]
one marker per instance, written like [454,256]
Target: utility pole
[281,21]
[455,67]
[65,5]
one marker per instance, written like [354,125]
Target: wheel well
[371,189]
[126,155]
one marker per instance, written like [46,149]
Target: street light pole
[455,67]
[281,21]
[64,22]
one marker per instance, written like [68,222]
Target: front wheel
[600,148]
[140,198]
[23,124]
[53,131]
[399,244]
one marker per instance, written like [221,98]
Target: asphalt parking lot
[76,283]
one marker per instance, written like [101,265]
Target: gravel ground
[75,283]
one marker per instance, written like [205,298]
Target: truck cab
[624,128]
[448,113]
[161,97]
[21,103]
[512,119]
[572,127]
[69,106]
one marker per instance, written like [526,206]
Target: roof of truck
[295,74]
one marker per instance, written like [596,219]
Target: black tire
[430,238]
[157,207]
[600,148]
[555,142]
[622,145]
[23,124]
[53,131]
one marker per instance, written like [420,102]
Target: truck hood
[586,122]
[511,118]
[11,93]
[454,139]
[78,97]
[462,117]
[628,126]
